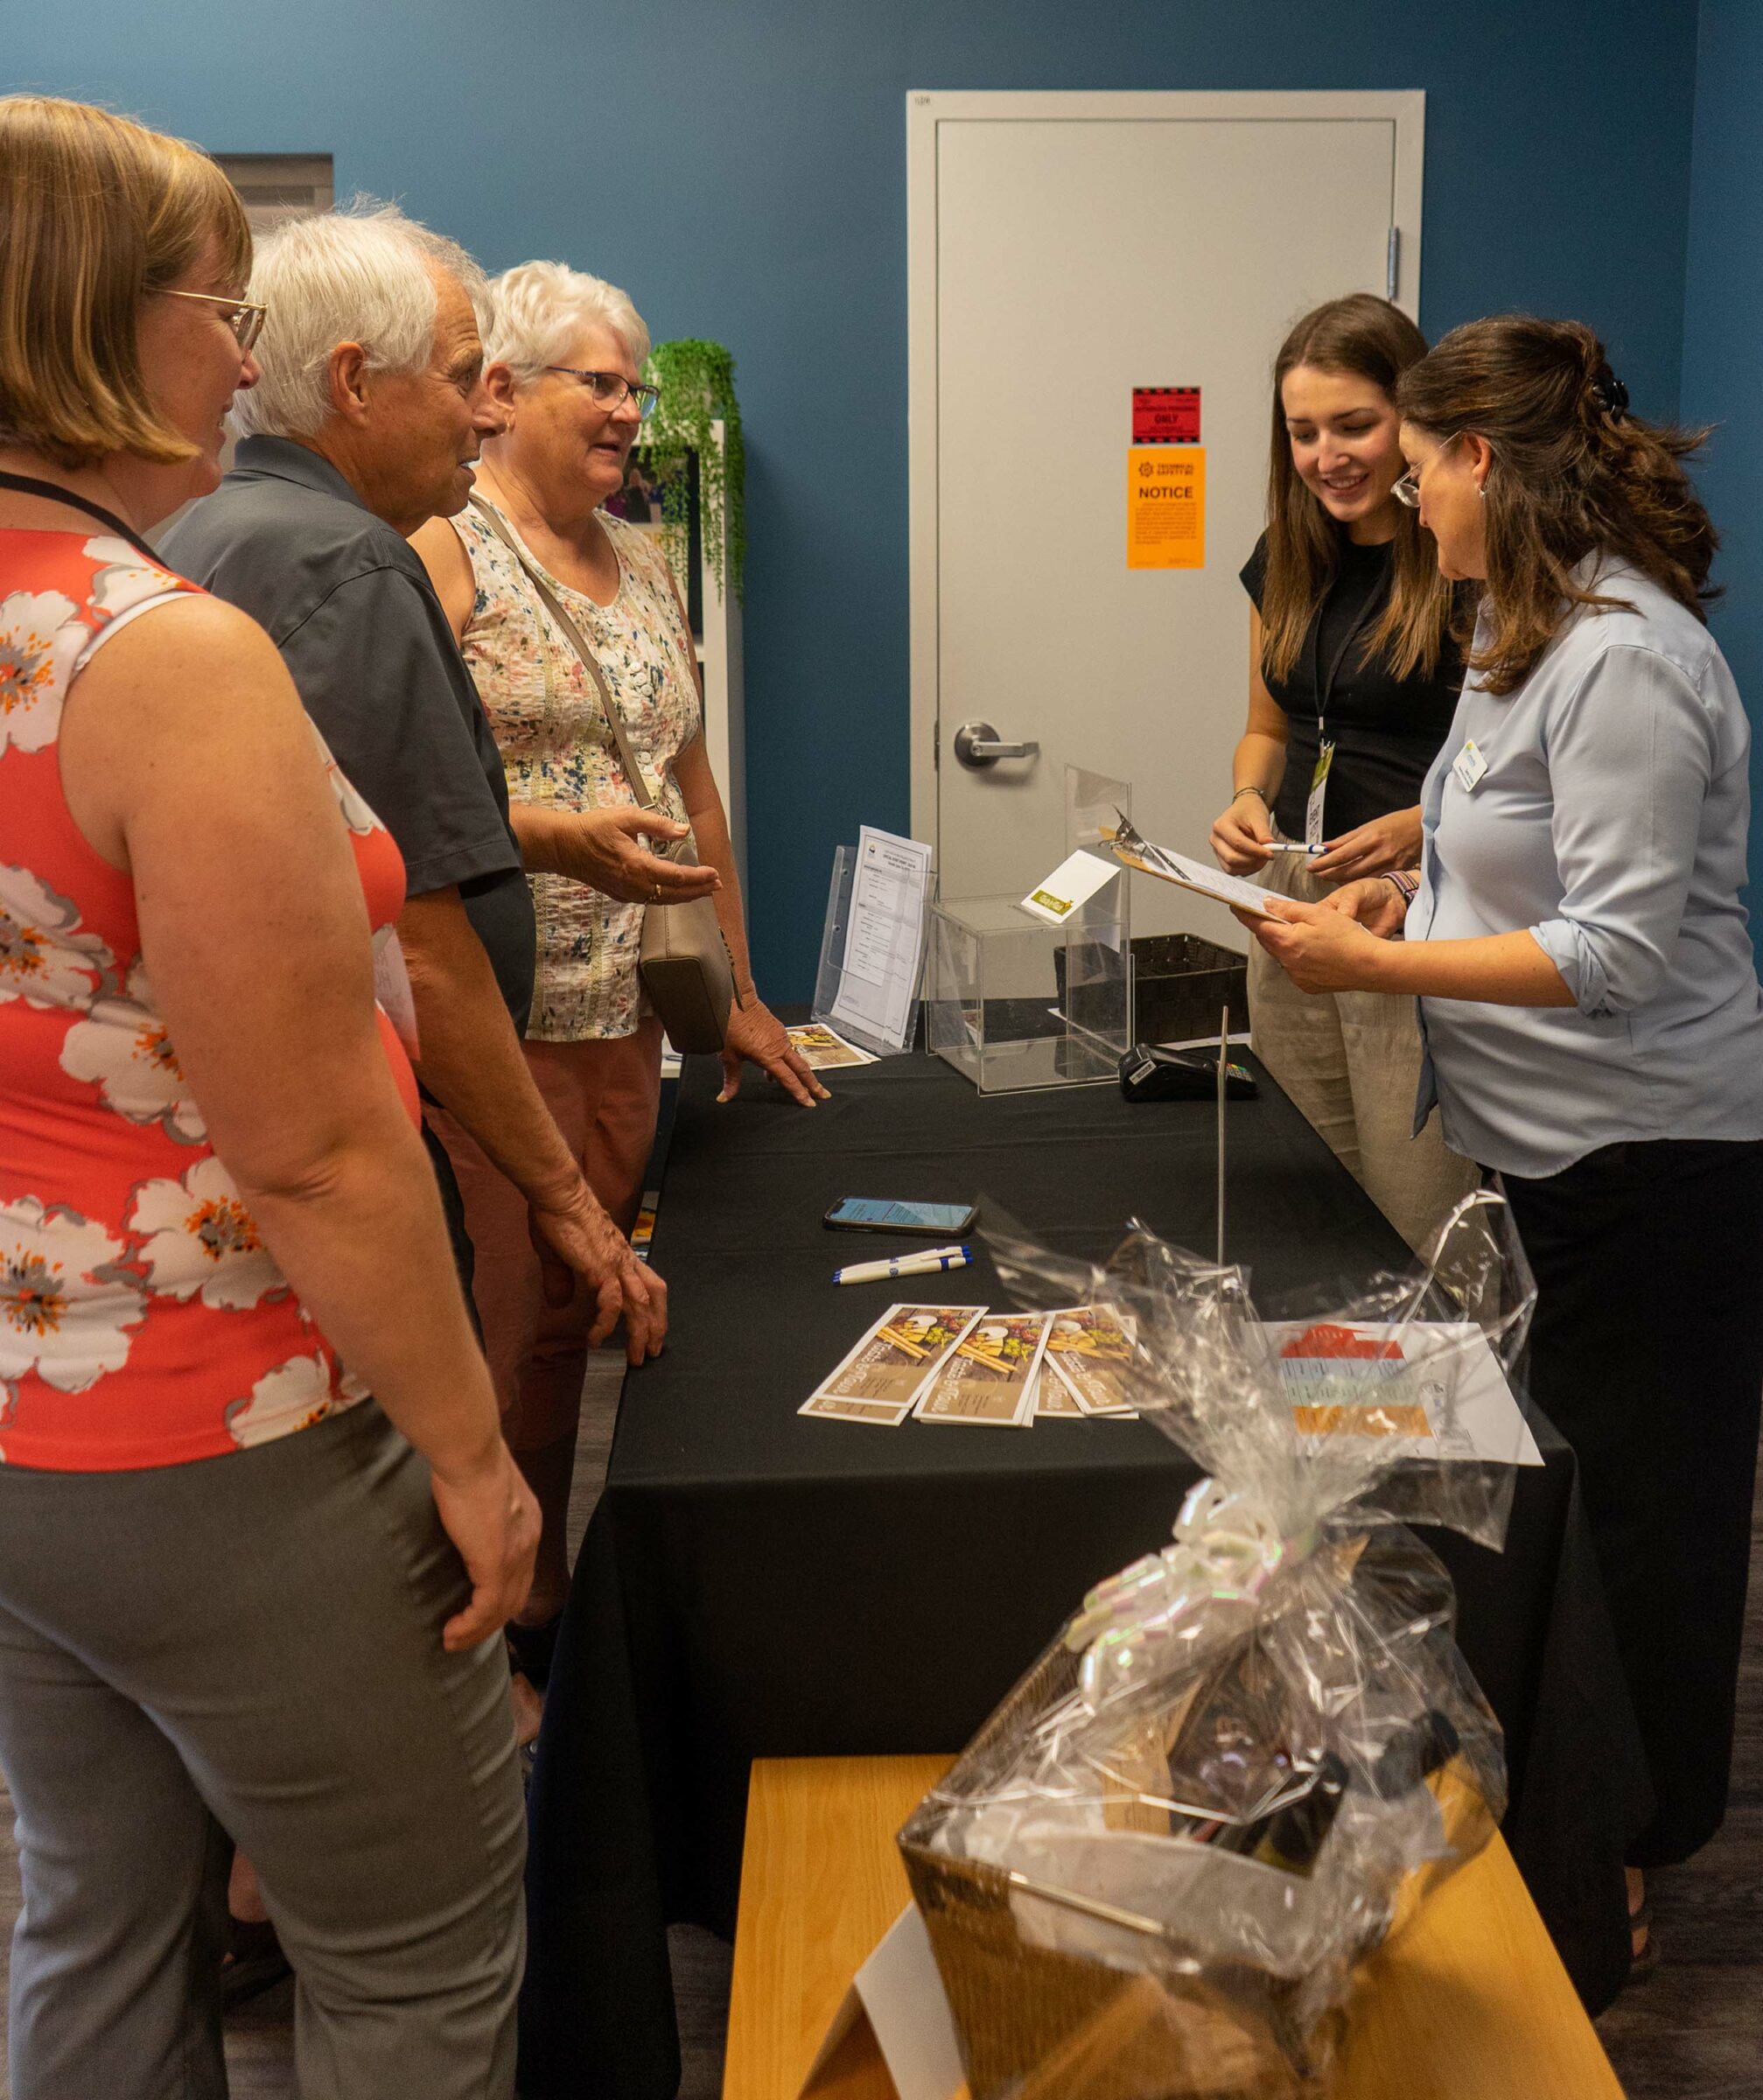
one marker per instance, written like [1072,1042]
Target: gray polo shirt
[346,600]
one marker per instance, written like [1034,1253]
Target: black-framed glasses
[1408,489]
[244,318]
[612,389]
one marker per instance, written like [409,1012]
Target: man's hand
[489,1513]
[1243,834]
[1319,949]
[604,849]
[1374,849]
[579,1239]
[754,1031]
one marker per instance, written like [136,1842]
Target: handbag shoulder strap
[577,641]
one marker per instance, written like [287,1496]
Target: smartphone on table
[882,1214]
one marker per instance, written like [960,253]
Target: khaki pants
[1351,1061]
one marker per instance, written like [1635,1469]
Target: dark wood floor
[1693,2030]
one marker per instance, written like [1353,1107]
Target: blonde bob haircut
[543,307]
[96,212]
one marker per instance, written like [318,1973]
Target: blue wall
[1723,347]
[739,166]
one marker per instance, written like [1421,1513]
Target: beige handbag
[684,961]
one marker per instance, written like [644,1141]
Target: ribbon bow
[1166,1610]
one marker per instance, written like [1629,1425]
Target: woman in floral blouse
[566,355]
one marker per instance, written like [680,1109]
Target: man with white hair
[365,423]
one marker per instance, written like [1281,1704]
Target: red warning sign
[1165,416]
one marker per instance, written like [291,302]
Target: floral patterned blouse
[143,1321]
[557,748]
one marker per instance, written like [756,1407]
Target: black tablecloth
[755,1584]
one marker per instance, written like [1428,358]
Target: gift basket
[1248,1756]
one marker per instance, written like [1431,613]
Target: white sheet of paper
[1195,875]
[1074,881]
[902,1993]
[1447,1367]
[884,937]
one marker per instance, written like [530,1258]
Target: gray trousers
[249,1648]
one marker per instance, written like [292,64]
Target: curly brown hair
[1372,340]
[1573,473]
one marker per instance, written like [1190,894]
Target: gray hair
[361,275]
[542,307]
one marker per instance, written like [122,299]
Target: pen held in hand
[926,1261]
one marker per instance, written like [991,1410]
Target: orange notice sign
[1165,507]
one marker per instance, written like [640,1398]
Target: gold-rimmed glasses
[245,319]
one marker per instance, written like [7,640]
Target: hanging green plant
[697,386]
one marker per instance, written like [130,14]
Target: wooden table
[1471,2003]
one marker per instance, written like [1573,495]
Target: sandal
[253,1962]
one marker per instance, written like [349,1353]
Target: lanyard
[1325,747]
[29,485]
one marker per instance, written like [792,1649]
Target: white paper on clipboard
[1169,866]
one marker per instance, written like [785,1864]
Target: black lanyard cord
[29,485]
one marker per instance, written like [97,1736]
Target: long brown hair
[1573,472]
[1373,341]
[94,211]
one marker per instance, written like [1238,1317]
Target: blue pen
[928,1262]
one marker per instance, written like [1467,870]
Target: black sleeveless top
[1386,731]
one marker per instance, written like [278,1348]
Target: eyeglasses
[612,389]
[243,317]
[1408,489]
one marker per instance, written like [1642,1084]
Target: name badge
[1469,766]
[1318,789]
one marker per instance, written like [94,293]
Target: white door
[1066,249]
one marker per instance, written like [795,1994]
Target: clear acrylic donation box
[1015,1004]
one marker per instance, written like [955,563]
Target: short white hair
[363,274]
[542,307]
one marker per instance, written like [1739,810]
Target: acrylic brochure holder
[832,1006]
[1016,1004]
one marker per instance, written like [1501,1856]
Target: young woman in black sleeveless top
[1352,681]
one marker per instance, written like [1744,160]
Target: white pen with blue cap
[926,1261]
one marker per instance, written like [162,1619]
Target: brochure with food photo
[1090,1350]
[989,1376]
[882,1376]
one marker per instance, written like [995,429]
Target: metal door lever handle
[978,744]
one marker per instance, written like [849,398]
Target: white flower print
[127,578]
[45,960]
[39,639]
[201,1237]
[123,1048]
[356,814]
[294,1396]
[67,1305]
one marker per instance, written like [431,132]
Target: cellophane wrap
[1247,1756]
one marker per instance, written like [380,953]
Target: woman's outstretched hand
[1319,949]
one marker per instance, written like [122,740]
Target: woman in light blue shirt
[1588,990]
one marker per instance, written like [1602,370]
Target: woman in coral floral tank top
[240,1599]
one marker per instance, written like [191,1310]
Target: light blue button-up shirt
[1611,823]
